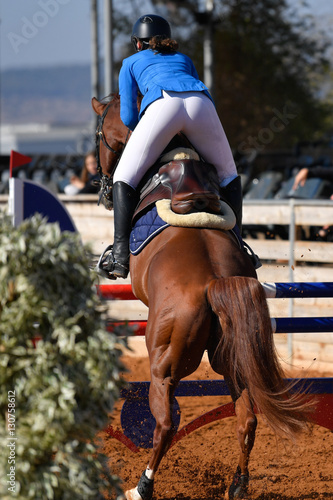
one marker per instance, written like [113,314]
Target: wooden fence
[294,214]
[283,260]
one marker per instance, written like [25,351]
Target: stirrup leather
[253,256]
[109,267]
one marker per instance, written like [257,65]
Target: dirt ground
[201,466]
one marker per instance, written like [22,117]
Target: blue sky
[48,32]
[44,32]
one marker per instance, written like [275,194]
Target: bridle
[105,180]
[100,136]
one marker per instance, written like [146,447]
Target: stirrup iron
[109,267]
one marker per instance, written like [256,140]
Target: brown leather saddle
[191,185]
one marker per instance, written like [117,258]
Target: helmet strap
[144,43]
[134,41]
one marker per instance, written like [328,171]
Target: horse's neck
[119,131]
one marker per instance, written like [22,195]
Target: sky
[48,32]
[44,32]
[35,33]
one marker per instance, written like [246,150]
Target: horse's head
[111,138]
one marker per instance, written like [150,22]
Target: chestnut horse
[203,294]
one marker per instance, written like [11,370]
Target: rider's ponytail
[164,45]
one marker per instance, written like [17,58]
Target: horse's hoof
[237,495]
[239,486]
[133,494]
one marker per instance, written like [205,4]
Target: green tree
[269,66]
[57,392]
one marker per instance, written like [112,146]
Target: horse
[202,293]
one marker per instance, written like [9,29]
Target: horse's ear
[98,107]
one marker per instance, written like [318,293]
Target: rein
[106,181]
[100,135]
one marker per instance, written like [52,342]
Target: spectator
[84,183]
[325,173]
[326,232]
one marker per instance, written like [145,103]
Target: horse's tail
[247,352]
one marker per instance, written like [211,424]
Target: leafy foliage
[269,61]
[66,385]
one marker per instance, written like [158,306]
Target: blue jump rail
[302,325]
[298,290]
[272,290]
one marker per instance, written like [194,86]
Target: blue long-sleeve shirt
[151,73]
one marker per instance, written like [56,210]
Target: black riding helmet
[148,26]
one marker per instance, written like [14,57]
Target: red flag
[17,160]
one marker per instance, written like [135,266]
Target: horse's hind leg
[246,429]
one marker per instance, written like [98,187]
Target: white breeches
[192,113]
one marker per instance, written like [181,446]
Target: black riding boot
[116,263]
[233,195]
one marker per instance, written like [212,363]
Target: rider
[174,100]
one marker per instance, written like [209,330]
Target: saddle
[192,185]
